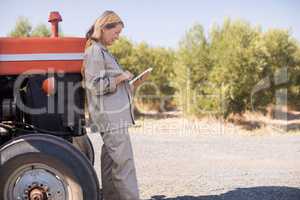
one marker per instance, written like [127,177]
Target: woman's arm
[96,79]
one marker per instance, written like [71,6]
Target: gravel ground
[212,162]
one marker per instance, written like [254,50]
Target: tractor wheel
[45,167]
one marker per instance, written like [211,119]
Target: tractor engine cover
[57,105]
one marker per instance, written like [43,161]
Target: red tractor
[45,153]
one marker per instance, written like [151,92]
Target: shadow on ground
[254,193]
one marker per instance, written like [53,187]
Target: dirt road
[212,165]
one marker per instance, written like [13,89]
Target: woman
[109,98]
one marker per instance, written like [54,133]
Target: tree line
[232,68]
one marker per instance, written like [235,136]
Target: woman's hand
[141,80]
[124,76]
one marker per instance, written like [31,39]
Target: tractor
[45,153]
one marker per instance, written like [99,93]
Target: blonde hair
[109,19]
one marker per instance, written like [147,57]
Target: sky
[157,22]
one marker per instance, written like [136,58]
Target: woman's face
[111,35]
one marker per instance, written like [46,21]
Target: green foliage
[235,68]
[41,30]
[23,28]
[280,52]
[235,51]
[122,49]
[192,69]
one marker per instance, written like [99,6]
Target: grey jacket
[109,105]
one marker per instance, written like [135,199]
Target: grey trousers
[118,172]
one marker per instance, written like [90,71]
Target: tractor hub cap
[37,182]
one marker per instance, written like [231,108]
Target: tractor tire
[45,167]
